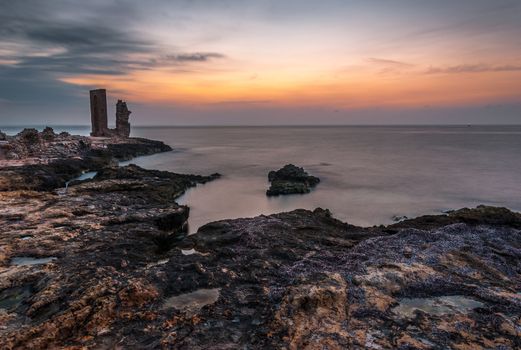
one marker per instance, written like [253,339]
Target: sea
[370,175]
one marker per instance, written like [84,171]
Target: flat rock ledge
[107,266]
[290,180]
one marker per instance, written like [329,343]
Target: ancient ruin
[98,112]
[122,124]
[99,120]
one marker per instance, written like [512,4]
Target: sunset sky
[263,62]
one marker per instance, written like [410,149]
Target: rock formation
[289,180]
[99,120]
[48,134]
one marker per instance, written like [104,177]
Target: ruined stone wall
[99,120]
[122,115]
[98,112]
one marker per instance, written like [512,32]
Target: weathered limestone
[98,110]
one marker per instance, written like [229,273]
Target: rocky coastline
[108,265]
[33,160]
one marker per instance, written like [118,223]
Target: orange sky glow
[347,90]
[221,56]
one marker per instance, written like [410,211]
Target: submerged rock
[290,180]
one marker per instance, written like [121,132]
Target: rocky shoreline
[33,160]
[108,265]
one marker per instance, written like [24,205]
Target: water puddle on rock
[11,298]
[84,176]
[188,251]
[191,302]
[192,252]
[438,306]
[27,260]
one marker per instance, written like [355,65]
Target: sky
[262,62]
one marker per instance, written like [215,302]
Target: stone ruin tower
[99,120]
[98,112]
[122,114]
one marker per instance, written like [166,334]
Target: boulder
[290,180]
[48,134]
[29,135]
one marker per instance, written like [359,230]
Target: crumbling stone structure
[98,112]
[99,120]
[122,114]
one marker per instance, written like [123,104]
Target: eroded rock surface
[297,280]
[290,180]
[72,264]
[41,161]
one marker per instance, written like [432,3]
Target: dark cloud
[86,39]
[45,48]
[88,48]
[195,57]
[45,41]
[473,68]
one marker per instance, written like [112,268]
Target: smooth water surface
[28,260]
[193,301]
[436,306]
[369,174]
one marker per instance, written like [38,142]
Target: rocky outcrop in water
[290,180]
[108,265]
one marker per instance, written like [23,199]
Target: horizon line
[259,125]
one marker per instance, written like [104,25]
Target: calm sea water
[369,174]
